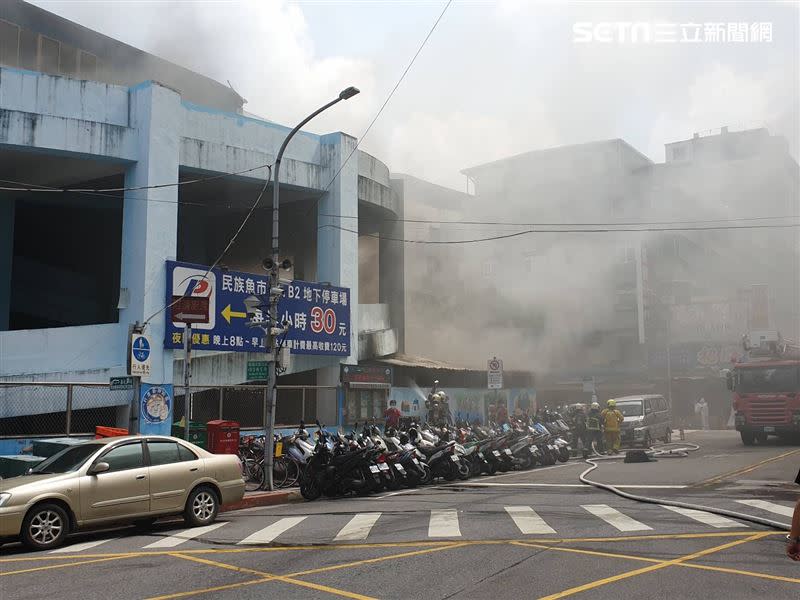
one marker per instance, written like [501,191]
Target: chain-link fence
[245,404]
[61,409]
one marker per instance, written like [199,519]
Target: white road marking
[707,518]
[615,518]
[266,535]
[527,520]
[778,509]
[184,536]
[444,523]
[358,527]
[81,547]
[566,485]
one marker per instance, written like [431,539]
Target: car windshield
[769,380]
[68,460]
[630,409]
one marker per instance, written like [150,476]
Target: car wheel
[648,440]
[748,438]
[202,507]
[45,527]
[668,436]
[762,438]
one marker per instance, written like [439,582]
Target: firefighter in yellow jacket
[612,419]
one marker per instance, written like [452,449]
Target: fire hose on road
[681,451]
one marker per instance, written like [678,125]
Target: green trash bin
[16,465]
[198,435]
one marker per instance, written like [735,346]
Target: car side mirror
[98,468]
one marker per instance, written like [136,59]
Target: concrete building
[80,110]
[602,305]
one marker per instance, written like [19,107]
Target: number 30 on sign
[323,320]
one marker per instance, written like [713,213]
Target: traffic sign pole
[187,375]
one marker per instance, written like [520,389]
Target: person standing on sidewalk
[701,408]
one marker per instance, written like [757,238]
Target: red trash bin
[223,437]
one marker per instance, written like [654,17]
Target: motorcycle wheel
[427,477]
[527,463]
[310,488]
[463,471]
[563,454]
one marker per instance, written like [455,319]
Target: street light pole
[275,291]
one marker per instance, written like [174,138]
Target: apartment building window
[488,268]
[9,44]
[679,153]
[528,260]
[49,51]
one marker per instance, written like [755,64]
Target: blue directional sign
[318,315]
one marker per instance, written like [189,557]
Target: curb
[264,499]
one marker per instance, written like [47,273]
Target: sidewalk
[259,498]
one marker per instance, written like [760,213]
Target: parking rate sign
[318,315]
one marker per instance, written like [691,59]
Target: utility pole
[276,291]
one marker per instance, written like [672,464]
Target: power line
[385,102]
[227,247]
[532,231]
[32,187]
[558,224]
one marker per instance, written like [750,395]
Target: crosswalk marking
[358,527]
[184,536]
[81,547]
[615,518]
[527,520]
[268,534]
[779,509]
[707,518]
[444,523]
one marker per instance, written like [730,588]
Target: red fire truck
[766,388]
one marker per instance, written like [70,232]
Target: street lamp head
[348,93]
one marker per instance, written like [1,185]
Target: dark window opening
[9,44]
[48,55]
[65,268]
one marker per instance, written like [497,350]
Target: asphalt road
[533,534]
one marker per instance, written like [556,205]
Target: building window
[88,65]
[28,50]
[48,55]
[679,153]
[9,44]
[488,268]
[68,61]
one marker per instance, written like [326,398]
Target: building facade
[81,112]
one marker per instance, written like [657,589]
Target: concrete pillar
[6,258]
[337,250]
[150,229]
[392,267]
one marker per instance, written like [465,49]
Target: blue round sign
[141,349]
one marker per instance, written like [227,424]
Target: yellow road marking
[656,560]
[648,569]
[589,552]
[368,561]
[270,577]
[61,566]
[208,590]
[211,551]
[740,572]
[744,470]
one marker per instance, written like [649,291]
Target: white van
[647,419]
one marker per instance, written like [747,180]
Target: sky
[496,78]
